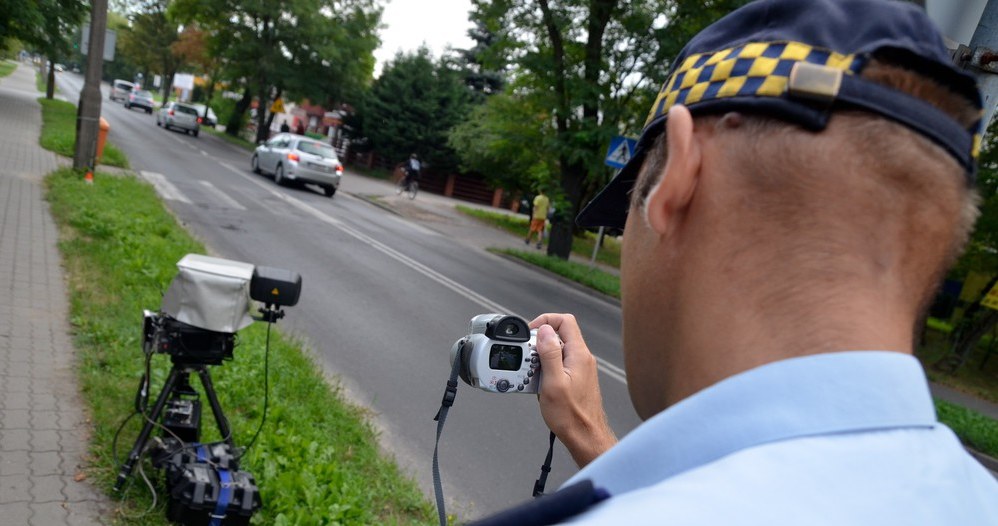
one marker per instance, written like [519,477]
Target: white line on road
[219,195]
[606,367]
[164,187]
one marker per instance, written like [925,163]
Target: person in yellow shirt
[538,217]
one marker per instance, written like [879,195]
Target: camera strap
[450,393]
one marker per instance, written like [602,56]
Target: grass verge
[595,279]
[974,429]
[316,460]
[518,225]
[59,132]
[7,67]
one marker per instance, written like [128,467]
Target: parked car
[179,115]
[211,120]
[139,98]
[120,89]
[296,158]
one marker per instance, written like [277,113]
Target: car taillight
[293,157]
[199,120]
[339,169]
[170,113]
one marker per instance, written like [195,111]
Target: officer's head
[802,154]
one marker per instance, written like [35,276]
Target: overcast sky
[410,23]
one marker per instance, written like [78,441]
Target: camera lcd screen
[505,357]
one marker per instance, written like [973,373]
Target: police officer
[804,179]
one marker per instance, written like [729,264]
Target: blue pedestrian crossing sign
[620,151]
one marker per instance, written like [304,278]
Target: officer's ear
[671,196]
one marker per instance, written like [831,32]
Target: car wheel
[255,163]
[330,191]
[195,132]
[279,175]
[149,111]
[157,122]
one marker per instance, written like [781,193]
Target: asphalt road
[383,301]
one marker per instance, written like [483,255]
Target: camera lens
[510,329]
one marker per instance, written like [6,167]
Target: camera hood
[210,293]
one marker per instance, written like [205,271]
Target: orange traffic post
[102,138]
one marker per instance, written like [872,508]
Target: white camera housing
[500,355]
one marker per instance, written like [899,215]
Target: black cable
[545,469]
[266,394]
[114,441]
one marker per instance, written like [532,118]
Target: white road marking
[204,153]
[223,197]
[606,367]
[164,187]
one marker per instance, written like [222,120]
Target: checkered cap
[799,60]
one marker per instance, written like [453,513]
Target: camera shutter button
[503,385]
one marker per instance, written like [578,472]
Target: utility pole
[983,56]
[88,110]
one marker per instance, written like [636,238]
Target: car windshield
[317,148]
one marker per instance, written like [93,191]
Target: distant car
[139,98]
[298,158]
[180,116]
[120,89]
[60,67]
[212,120]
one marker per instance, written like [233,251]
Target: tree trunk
[167,87]
[967,340]
[262,132]
[236,119]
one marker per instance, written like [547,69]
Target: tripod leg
[140,442]
[216,408]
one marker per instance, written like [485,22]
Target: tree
[593,66]
[149,42]
[42,25]
[321,49]
[411,108]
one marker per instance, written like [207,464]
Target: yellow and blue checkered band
[759,69]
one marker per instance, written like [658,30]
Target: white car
[296,158]
[180,116]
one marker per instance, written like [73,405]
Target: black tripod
[177,384]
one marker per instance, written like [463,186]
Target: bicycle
[409,185]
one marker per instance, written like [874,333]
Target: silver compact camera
[499,355]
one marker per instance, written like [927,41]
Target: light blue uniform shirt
[839,439]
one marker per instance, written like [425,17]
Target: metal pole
[88,110]
[983,47]
[599,241]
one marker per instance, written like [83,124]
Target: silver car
[298,158]
[139,98]
[179,115]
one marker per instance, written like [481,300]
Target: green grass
[238,141]
[596,279]
[59,132]
[316,461]
[519,225]
[7,67]
[974,429]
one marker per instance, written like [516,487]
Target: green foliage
[59,132]
[974,429]
[6,68]
[316,461]
[412,106]
[42,25]
[593,278]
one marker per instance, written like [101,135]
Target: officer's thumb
[549,348]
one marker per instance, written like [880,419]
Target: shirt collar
[814,395]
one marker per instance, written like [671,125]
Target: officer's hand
[569,396]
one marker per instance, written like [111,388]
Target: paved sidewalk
[43,431]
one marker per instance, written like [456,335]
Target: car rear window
[317,148]
[143,93]
[125,87]
[187,109]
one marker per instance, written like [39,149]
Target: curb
[369,199]
[577,286]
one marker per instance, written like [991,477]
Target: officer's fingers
[549,350]
[564,324]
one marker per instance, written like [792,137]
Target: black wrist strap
[545,469]
[449,394]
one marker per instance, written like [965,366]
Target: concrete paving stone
[47,488]
[48,513]
[15,401]
[69,420]
[15,440]
[16,419]
[15,463]
[44,440]
[43,402]
[15,488]
[17,385]
[45,420]
[44,464]
[87,513]
[17,370]
[17,513]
